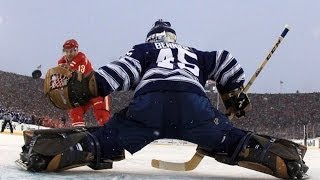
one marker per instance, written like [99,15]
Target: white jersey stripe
[179,78]
[133,70]
[229,74]
[111,81]
[121,73]
[223,66]
[135,62]
[218,57]
[167,72]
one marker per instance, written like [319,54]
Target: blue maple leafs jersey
[164,66]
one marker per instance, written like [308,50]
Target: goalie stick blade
[183,166]
[21,164]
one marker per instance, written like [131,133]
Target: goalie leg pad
[59,149]
[278,157]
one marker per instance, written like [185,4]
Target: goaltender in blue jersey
[169,102]
[169,66]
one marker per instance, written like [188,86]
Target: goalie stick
[197,157]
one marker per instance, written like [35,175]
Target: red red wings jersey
[80,62]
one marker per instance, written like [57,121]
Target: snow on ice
[138,166]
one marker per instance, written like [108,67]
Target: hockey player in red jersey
[77,60]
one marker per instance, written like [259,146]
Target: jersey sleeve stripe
[130,77]
[229,74]
[226,69]
[135,62]
[217,61]
[117,77]
[224,63]
[133,69]
[233,83]
[122,73]
[111,81]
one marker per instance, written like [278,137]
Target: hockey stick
[197,157]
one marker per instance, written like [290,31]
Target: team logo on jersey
[216,121]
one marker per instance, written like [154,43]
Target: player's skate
[60,149]
[277,157]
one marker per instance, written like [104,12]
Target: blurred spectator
[63,120]
[7,118]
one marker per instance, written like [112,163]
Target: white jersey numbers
[184,64]
[166,59]
[82,68]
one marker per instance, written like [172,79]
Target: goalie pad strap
[264,151]
[31,146]
[97,151]
[281,147]
[242,144]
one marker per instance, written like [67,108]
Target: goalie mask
[161,32]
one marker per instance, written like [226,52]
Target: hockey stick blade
[197,157]
[185,166]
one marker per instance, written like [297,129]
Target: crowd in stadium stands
[280,115]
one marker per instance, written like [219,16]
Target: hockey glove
[67,89]
[236,103]
[82,88]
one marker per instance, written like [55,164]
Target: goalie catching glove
[67,89]
[236,102]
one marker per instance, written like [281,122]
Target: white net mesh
[58,81]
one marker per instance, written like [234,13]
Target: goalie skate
[21,164]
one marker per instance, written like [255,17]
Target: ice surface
[138,166]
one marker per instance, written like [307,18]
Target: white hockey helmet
[161,32]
